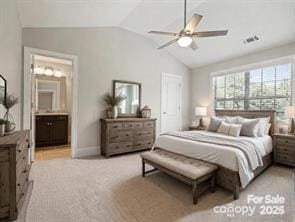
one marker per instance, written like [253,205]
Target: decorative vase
[2,130]
[115,112]
[146,112]
[109,113]
[10,124]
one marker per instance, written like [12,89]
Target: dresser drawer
[145,144]
[285,158]
[22,164]
[22,183]
[119,147]
[115,126]
[118,136]
[133,125]
[149,124]
[285,149]
[23,146]
[146,133]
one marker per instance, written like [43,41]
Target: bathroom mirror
[132,91]
[50,95]
[3,88]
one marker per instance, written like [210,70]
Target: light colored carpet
[112,189]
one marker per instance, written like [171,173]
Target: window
[257,89]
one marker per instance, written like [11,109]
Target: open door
[33,109]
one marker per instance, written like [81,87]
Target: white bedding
[228,157]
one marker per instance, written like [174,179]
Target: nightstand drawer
[285,158]
[286,142]
[285,149]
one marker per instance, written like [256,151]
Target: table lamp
[290,113]
[200,112]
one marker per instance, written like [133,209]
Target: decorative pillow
[235,130]
[214,124]
[263,123]
[249,127]
[230,129]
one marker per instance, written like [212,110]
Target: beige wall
[10,52]
[200,82]
[106,54]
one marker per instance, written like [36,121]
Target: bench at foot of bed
[188,170]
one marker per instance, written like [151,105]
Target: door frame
[180,98]
[27,90]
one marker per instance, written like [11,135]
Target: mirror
[50,95]
[3,88]
[132,91]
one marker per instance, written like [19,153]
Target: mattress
[225,156]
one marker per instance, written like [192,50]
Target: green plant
[11,100]
[3,121]
[113,100]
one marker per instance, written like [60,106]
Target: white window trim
[251,66]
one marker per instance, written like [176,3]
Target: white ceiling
[273,21]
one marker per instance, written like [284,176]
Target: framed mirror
[132,91]
[3,88]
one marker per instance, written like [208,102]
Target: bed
[233,173]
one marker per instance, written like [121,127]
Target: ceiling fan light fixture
[184,41]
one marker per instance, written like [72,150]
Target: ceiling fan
[185,37]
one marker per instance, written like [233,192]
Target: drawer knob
[18,184]
[130,125]
[24,171]
[19,151]
[24,157]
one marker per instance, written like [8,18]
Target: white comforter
[228,157]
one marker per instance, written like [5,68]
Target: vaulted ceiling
[273,21]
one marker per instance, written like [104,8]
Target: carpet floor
[99,189]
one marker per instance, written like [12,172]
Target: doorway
[171,103]
[49,110]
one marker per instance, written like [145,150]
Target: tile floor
[53,152]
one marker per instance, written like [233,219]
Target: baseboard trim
[87,151]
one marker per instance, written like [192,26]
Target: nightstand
[196,128]
[284,149]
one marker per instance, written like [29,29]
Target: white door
[33,109]
[171,103]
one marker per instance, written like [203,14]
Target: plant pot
[10,124]
[115,112]
[2,130]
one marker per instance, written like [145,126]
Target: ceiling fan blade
[193,23]
[163,33]
[168,43]
[210,33]
[193,45]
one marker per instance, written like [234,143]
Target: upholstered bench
[188,170]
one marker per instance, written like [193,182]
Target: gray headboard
[251,114]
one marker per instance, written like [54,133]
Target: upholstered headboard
[251,114]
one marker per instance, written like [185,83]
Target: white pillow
[230,129]
[249,127]
[262,128]
[231,119]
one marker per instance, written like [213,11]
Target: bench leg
[213,182]
[195,192]
[143,167]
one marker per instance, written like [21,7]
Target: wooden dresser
[14,173]
[124,135]
[284,149]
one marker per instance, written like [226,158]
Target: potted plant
[113,102]
[8,103]
[2,127]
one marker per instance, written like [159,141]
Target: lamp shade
[200,111]
[290,111]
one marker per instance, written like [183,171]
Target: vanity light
[39,70]
[58,73]
[48,72]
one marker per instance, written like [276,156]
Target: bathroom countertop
[51,114]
